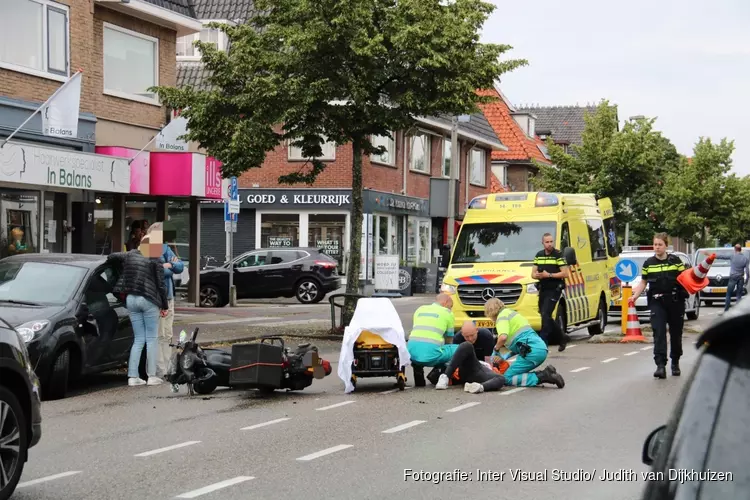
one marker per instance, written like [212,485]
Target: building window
[328,148]
[279,230]
[596,237]
[185,47]
[477,158]
[419,153]
[389,156]
[447,152]
[419,244]
[19,224]
[131,64]
[34,37]
[326,233]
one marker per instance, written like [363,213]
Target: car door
[249,274]
[690,302]
[285,269]
[107,332]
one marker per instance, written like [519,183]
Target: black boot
[676,368]
[661,371]
[434,375]
[418,376]
[550,376]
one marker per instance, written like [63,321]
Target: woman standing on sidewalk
[142,281]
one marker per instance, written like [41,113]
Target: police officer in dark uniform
[666,300]
[551,270]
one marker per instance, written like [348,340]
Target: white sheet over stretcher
[379,316]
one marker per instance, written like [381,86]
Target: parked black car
[20,408]
[306,273]
[63,307]
[708,434]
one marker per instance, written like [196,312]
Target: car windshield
[722,256]
[38,282]
[501,241]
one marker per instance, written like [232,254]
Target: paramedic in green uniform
[430,341]
[515,333]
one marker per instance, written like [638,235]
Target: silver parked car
[692,304]
[718,275]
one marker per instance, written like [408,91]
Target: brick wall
[86,52]
[518,177]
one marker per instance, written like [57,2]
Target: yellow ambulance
[494,252]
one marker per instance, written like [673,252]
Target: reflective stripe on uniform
[426,340]
[431,323]
[428,315]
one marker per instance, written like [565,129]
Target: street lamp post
[452,177]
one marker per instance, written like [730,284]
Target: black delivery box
[257,365]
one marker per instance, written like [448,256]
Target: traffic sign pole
[626,270]
[231,216]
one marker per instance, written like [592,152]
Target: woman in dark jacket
[142,281]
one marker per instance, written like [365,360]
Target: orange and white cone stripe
[702,269]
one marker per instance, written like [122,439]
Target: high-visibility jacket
[510,323]
[431,323]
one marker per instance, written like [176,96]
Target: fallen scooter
[243,368]
[189,366]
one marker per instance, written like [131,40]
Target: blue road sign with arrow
[626,270]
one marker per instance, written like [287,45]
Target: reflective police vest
[431,323]
[510,323]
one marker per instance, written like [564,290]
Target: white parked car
[692,304]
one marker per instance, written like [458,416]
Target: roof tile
[224,10]
[183,7]
[564,123]
[520,146]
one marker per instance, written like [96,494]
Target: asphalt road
[114,441]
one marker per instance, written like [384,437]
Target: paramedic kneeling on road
[427,342]
[514,332]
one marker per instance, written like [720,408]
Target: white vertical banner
[60,114]
[169,137]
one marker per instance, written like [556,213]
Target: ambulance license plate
[485,324]
[718,290]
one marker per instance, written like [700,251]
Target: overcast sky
[685,62]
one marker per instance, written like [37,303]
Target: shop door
[326,233]
[55,213]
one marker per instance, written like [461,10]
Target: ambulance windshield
[501,241]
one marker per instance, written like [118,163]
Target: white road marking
[631,353]
[647,348]
[579,369]
[335,406]
[391,391]
[513,391]
[463,407]
[402,427]
[215,486]
[571,346]
[168,448]
[322,453]
[48,478]
[608,360]
[236,320]
[271,422]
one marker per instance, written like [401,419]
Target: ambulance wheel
[601,320]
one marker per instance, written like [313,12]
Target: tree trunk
[355,245]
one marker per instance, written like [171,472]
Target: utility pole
[454,166]
[627,224]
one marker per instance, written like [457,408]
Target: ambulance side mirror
[569,254]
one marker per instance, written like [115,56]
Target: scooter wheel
[207,386]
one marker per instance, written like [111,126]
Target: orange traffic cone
[694,280]
[633,330]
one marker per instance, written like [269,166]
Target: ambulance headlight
[449,289]
[531,288]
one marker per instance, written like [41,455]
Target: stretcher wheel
[354,381]
[401,383]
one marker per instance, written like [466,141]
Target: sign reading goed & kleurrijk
[66,169]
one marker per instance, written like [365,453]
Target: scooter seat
[303,346]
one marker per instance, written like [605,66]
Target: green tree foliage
[339,70]
[619,164]
[703,197]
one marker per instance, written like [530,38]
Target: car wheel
[14,442]
[601,318]
[210,296]
[308,291]
[693,315]
[57,384]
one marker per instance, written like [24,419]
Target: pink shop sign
[139,169]
[185,174]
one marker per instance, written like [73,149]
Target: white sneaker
[442,382]
[155,381]
[474,387]
[134,381]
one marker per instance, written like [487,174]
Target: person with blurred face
[666,301]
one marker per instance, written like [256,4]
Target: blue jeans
[144,316]
[735,284]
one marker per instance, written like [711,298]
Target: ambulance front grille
[477,295]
